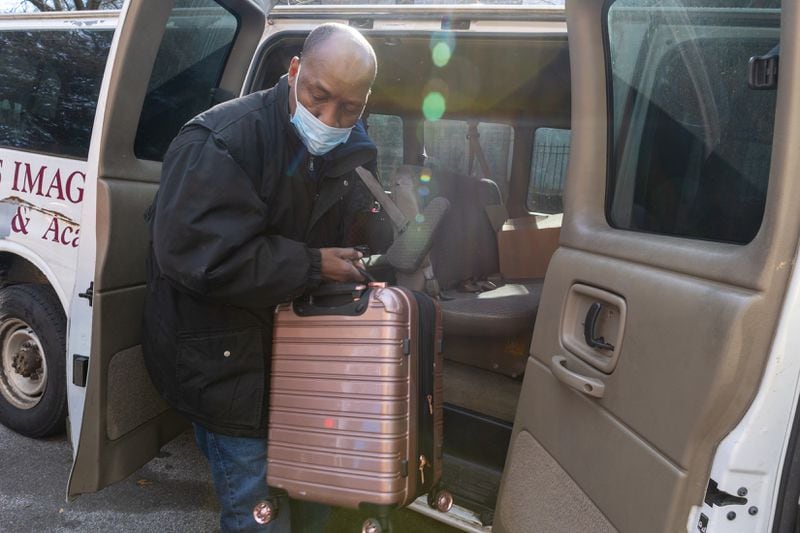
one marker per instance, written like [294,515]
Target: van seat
[489,329]
[502,312]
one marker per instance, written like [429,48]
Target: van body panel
[40,212]
[43,192]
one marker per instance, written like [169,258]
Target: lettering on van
[59,230]
[35,182]
[28,181]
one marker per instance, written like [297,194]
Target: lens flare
[425,177]
[423,191]
[420,218]
[441,54]
[433,106]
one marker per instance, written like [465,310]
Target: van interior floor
[481,390]
[478,419]
[473,486]
[475,448]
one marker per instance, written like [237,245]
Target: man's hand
[341,264]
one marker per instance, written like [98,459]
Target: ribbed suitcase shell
[344,404]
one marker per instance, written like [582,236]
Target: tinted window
[186,73]
[548,170]
[49,83]
[691,140]
[447,148]
[386,131]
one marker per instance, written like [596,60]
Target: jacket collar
[359,150]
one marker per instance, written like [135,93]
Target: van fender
[36,260]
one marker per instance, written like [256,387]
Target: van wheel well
[15,269]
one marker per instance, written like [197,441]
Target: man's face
[334,85]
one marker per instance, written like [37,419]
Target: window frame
[385,179]
[532,160]
[216,85]
[611,145]
[505,187]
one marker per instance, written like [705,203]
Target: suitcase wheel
[265,512]
[441,500]
[373,525]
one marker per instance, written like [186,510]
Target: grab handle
[589,386]
[589,326]
[342,299]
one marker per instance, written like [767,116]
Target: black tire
[33,311]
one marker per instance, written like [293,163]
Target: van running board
[472,485]
[457,517]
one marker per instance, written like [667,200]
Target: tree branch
[41,5]
[79,5]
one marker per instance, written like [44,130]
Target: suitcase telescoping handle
[342,299]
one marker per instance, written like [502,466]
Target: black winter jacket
[236,228]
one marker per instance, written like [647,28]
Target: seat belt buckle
[432,288]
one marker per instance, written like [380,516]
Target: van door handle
[589,386]
[589,325]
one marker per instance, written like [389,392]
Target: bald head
[333,41]
[335,75]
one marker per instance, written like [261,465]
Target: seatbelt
[476,151]
[400,223]
[498,214]
[399,220]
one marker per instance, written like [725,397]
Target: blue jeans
[239,469]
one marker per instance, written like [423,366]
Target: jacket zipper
[310,168]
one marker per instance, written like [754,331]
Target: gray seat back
[466,243]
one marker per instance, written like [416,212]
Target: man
[256,196]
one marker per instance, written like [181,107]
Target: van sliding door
[680,232]
[169,61]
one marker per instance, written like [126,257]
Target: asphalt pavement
[172,493]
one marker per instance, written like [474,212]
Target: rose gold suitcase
[356,399]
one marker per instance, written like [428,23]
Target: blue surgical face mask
[318,137]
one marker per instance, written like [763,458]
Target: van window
[186,73]
[691,143]
[386,131]
[548,171]
[49,84]
[447,148]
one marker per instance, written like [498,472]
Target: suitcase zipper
[426,314]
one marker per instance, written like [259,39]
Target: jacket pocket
[221,377]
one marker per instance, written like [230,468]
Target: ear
[366,101]
[294,66]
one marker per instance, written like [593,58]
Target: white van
[636,366]
[52,69]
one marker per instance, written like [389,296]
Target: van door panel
[124,421]
[700,320]
[120,205]
[565,510]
